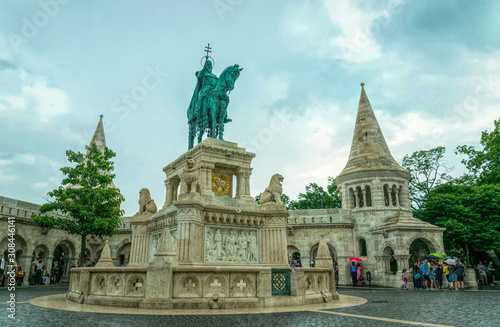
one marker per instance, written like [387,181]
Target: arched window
[387,199]
[362,247]
[368,193]
[359,197]
[352,199]
[394,200]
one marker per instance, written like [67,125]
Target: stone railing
[107,286]
[318,216]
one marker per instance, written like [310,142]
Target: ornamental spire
[369,150]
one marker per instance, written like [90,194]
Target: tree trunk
[493,257]
[82,251]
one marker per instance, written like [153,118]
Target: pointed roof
[369,150]
[99,139]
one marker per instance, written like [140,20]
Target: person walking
[354,273]
[460,271]
[405,281]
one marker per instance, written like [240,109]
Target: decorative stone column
[272,239]
[190,232]
[139,252]
[377,194]
[243,184]
[402,260]
[363,191]
[205,173]
[169,184]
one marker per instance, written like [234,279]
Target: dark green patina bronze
[207,112]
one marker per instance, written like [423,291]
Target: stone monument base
[200,287]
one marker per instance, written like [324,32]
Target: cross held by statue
[207,49]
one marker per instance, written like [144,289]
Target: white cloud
[27,98]
[336,29]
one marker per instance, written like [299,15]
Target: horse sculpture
[212,115]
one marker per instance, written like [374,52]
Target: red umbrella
[355,259]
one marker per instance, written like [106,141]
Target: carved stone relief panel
[243,285]
[186,285]
[216,284]
[231,245]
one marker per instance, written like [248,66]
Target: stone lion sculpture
[190,178]
[146,204]
[274,191]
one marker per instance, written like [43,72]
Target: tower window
[366,133]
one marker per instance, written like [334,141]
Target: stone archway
[291,249]
[123,254]
[390,264]
[418,248]
[313,252]
[64,253]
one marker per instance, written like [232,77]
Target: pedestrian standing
[336,270]
[492,270]
[460,271]
[452,277]
[446,273]
[417,275]
[354,273]
[482,273]
[358,274]
[438,276]
[425,274]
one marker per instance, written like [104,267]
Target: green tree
[87,197]
[470,214]
[312,199]
[484,165]
[427,169]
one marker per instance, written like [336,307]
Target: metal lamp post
[321,193]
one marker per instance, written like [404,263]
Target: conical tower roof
[369,150]
[99,139]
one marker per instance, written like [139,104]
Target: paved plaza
[380,307]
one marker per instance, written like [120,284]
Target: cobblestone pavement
[452,308]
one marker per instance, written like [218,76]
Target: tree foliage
[470,214]
[427,169]
[87,197]
[484,165]
[312,199]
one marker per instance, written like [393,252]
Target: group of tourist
[41,275]
[429,275]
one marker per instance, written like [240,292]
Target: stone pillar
[377,194]
[397,198]
[357,200]
[205,174]
[175,189]
[272,240]
[170,192]
[139,252]
[470,278]
[402,260]
[243,184]
[190,232]
[363,191]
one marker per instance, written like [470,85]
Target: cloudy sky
[431,70]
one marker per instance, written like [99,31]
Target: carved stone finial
[146,204]
[362,84]
[105,259]
[323,259]
[274,191]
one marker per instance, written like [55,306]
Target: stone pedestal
[139,252]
